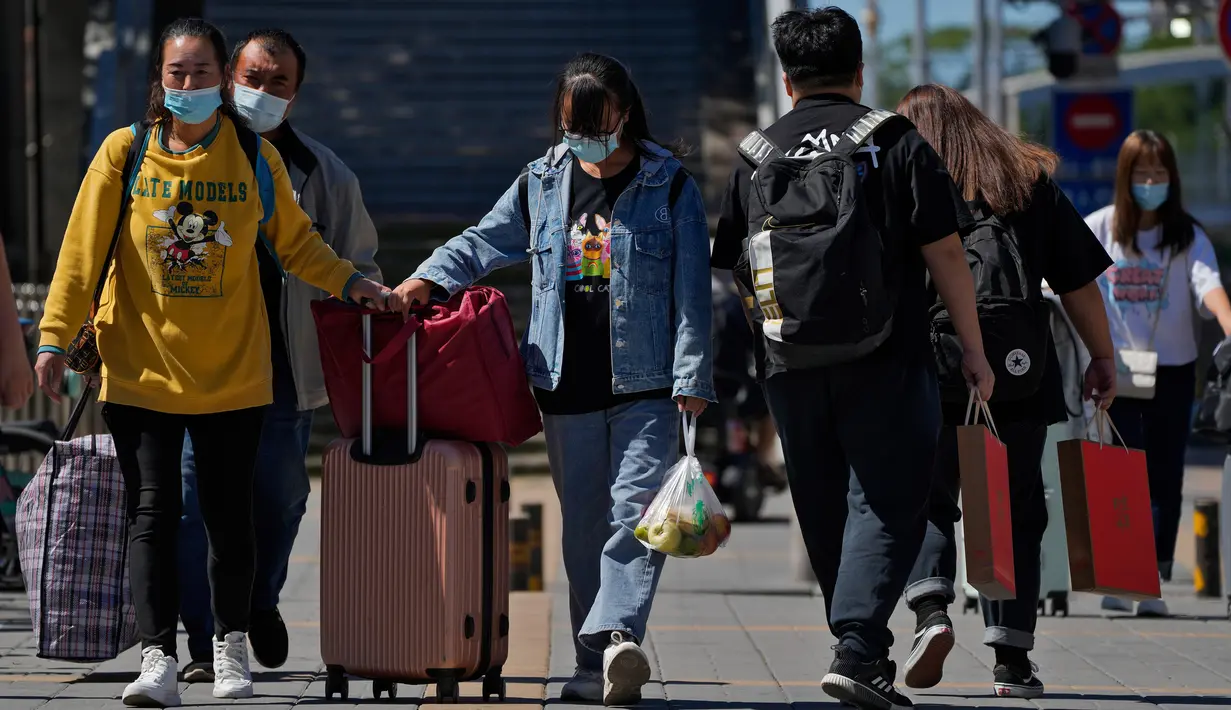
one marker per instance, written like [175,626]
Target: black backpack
[1013,317]
[812,271]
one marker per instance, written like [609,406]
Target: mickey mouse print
[187,253]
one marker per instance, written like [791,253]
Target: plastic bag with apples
[685,519]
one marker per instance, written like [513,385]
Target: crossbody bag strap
[132,162]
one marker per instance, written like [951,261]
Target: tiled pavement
[732,631]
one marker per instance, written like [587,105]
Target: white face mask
[264,112]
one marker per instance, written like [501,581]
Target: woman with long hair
[1164,275]
[1006,180]
[618,343]
[182,333]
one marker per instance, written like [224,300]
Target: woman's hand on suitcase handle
[370,294]
[411,293]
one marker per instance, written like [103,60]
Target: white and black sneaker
[867,685]
[1017,682]
[934,639]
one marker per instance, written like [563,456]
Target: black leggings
[149,446]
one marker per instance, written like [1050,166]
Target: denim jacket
[660,275]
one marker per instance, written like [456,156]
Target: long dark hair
[592,83]
[156,112]
[1179,227]
[989,164]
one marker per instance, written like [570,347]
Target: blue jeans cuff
[930,587]
[1012,638]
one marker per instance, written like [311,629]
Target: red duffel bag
[472,382]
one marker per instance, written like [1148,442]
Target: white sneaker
[585,685]
[1117,604]
[1153,607]
[625,670]
[156,687]
[232,679]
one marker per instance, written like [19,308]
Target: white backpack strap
[862,129]
[757,148]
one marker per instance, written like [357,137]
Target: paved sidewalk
[728,632]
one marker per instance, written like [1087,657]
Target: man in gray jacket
[268,69]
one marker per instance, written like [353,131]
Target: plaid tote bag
[72,531]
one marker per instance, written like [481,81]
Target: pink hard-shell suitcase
[414,558]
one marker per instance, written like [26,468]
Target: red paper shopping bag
[1108,517]
[986,523]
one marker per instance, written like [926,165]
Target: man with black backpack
[832,224]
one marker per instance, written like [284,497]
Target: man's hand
[978,373]
[410,294]
[1100,383]
[692,405]
[370,294]
[49,368]
[16,379]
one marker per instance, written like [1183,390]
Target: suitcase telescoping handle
[412,404]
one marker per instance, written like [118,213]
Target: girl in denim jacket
[618,343]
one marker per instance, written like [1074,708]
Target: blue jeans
[607,467]
[279,499]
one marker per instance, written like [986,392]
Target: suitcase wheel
[493,685]
[388,687]
[970,604]
[448,691]
[336,683]
[1060,604]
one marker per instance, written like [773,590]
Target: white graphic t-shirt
[1136,296]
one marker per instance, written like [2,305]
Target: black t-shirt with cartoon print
[585,376]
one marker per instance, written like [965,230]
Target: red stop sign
[1093,122]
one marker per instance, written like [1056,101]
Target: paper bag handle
[972,412]
[1101,414]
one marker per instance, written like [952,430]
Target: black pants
[149,446]
[859,441]
[1160,427]
[1012,622]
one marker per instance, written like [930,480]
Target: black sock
[927,606]
[1015,658]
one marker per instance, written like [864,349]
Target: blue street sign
[1088,128]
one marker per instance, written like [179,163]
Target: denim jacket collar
[653,163]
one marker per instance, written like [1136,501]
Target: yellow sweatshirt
[182,327]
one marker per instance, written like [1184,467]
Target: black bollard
[519,555]
[1207,580]
[534,544]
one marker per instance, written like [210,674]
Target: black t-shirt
[911,199]
[1058,247]
[585,375]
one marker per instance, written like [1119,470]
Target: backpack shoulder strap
[523,195]
[251,144]
[862,129]
[757,148]
[132,165]
[678,181]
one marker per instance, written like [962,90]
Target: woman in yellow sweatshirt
[183,335]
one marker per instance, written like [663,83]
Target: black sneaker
[867,685]
[267,635]
[925,665]
[1013,682]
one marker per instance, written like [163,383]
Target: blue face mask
[192,107]
[264,112]
[1150,197]
[594,150]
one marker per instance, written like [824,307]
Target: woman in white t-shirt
[1164,275]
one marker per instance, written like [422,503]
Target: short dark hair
[818,48]
[274,40]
